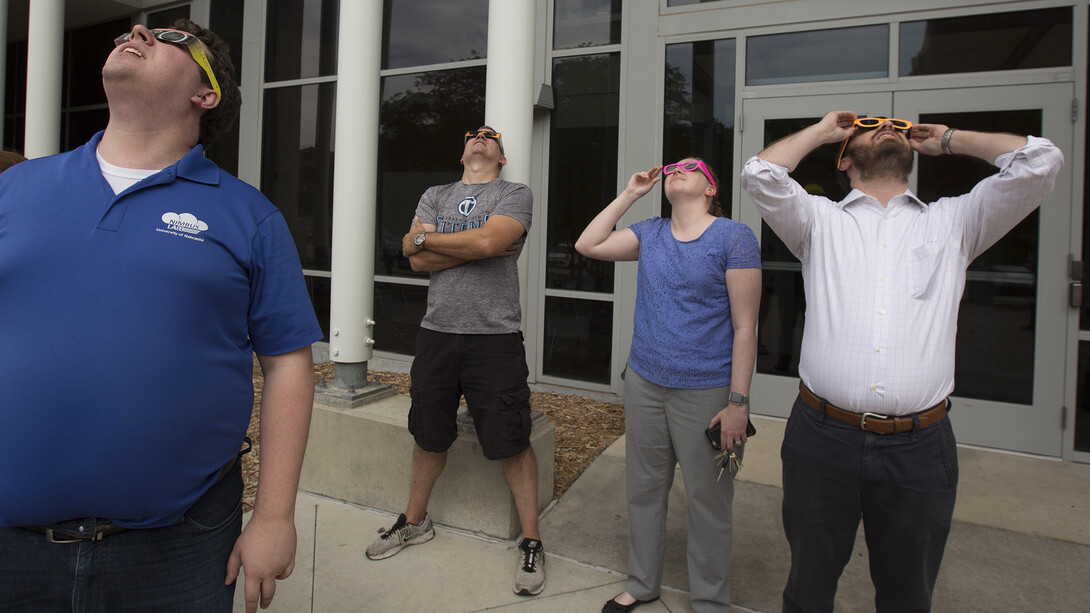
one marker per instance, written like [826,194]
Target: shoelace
[393,529]
[529,557]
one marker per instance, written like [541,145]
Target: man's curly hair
[215,121]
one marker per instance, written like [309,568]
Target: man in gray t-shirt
[469,234]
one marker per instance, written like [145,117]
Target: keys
[729,460]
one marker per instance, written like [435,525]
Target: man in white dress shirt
[884,274]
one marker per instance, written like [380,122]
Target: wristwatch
[738,398]
[418,240]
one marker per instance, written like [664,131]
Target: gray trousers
[664,427]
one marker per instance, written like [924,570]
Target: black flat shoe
[612,606]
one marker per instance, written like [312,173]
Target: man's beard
[889,158]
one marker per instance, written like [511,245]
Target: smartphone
[713,434]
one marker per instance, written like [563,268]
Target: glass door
[783,305]
[1012,349]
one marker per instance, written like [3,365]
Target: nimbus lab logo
[184,222]
[184,225]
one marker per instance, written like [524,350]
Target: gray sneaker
[399,536]
[530,574]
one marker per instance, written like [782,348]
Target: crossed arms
[500,235]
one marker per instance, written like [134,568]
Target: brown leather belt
[873,422]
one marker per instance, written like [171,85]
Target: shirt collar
[193,166]
[856,195]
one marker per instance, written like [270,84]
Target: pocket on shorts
[521,422]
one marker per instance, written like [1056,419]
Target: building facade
[619,86]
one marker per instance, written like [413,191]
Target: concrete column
[509,89]
[355,181]
[509,93]
[45,63]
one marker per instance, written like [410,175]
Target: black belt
[94,529]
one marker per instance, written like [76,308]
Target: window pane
[1082,400]
[783,303]
[586,23]
[578,339]
[1084,312]
[224,152]
[978,43]
[318,288]
[14,128]
[79,126]
[700,109]
[15,84]
[420,32]
[423,119]
[819,55]
[582,165]
[87,50]
[996,325]
[225,19]
[297,165]
[301,39]
[163,19]
[398,311]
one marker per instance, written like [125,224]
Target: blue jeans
[179,568]
[903,487]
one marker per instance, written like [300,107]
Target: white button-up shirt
[883,284]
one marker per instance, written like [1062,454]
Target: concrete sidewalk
[1020,542]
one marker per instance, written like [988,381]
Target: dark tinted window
[582,166]
[423,118]
[818,55]
[421,32]
[297,165]
[699,109]
[979,43]
[586,23]
[398,311]
[578,339]
[300,39]
[996,322]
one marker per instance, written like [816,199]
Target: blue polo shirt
[127,324]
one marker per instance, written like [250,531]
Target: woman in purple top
[693,348]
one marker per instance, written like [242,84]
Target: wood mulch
[584,428]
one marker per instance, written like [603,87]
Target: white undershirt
[121,179]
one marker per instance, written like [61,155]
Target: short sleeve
[744,251]
[426,210]
[281,317]
[518,204]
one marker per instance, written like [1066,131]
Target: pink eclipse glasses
[690,166]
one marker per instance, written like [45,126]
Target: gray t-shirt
[479,296]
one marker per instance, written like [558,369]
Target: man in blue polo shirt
[136,281]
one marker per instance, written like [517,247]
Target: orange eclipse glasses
[869,123]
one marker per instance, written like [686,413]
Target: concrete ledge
[364,456]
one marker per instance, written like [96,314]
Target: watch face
[419,240]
